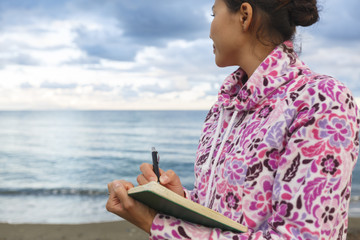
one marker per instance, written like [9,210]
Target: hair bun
[303,12]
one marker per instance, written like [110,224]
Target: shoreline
[100,231]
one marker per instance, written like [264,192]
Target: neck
[253,56]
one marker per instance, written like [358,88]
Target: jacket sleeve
[192,194]
[312,184]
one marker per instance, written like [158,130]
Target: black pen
[156,159]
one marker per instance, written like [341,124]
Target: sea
[55,165]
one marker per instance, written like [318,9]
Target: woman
[278,147]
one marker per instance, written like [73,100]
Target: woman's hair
[276,20]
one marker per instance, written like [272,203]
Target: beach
[99,231]
[93,231]
[55,166]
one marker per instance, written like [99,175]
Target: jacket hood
[272,73]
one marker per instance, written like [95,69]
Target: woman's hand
[169,178]
[126,207]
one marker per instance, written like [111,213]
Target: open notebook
[166,201]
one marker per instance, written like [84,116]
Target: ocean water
[55,165]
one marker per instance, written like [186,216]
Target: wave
[53,192]
[75,192]
[355,199]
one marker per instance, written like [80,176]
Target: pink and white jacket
[276,154]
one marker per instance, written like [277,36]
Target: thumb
[172,181]
[169,177]
[120,188]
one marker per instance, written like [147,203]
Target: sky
[132,55]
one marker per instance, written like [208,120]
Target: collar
[279,67]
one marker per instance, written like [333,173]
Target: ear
[246,16]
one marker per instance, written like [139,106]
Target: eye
[213,15]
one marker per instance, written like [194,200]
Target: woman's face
[225,30]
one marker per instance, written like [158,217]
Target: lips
[214,48]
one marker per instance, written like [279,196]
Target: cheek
[214,30]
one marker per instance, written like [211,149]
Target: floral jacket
[281,149]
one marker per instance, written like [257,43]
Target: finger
[172,181]
[120,188]
[127,185]
[147,171]
[113,204]
[110,188]
[141,179]
[169,177]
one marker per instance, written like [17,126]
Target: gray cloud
[23,12]
[102,88]
[83,61]
[24,59]
[157,89]
[141,23]
[10,54]
[338,21]
[26,85]
[55,85]
[136,23]
[128,92]
[19,59]
[156,20]
[103,44]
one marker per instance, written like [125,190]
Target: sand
[94,231]
[121,230]
[354,229]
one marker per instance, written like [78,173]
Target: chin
[221,64]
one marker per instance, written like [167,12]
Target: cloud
[90,54]
[157,89]
[155,21]
[339,61]
[339,22]
[18,59]
[25,85]
[55,85]
[102,88]
[132,26]
[123,27]
[83,60]
[128,92]
[107,43]
[193,60]
[16,13]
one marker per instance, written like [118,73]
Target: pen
[156,158]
